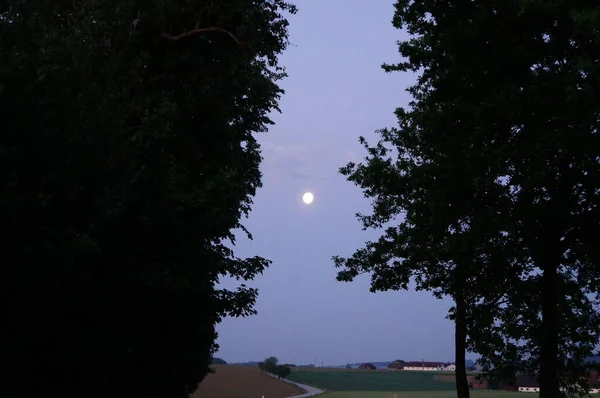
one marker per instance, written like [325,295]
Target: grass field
[370,380]
[424,394]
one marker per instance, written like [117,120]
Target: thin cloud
[301,161]
[297,161]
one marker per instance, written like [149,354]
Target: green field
[371,380]
[424,394]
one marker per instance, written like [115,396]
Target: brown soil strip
[231,381]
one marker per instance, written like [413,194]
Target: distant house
[367,366]
[527,384]
[416,365]
[449,367]
[424,366]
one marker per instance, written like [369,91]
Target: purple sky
[335,92]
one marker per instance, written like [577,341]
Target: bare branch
[197,30]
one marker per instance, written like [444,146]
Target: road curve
[310,391]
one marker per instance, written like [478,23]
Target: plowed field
[232,381]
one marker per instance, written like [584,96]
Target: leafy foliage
[282,371]
[127,158]
[270,364]
[488,189]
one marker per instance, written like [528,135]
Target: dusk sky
[335,92]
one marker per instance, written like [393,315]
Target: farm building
[416,365]
[527,384]
[449,367]
[424,366]
[367,366]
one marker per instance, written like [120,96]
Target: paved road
[310,391]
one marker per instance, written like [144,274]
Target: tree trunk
[460,347]
[549,376]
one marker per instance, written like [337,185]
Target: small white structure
[529,389]
[423,366]
[449,367]
[537,389]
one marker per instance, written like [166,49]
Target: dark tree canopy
[282,371]
[127,160]
[488,190]
[270,364]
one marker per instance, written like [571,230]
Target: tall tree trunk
[549,375]
[460,347]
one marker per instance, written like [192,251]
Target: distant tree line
[218,361]
[270,365]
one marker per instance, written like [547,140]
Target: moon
[308,198]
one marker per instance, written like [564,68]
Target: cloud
[298,161]
[304,161]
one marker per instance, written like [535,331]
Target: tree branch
[197,30]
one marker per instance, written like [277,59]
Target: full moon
[307,198]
